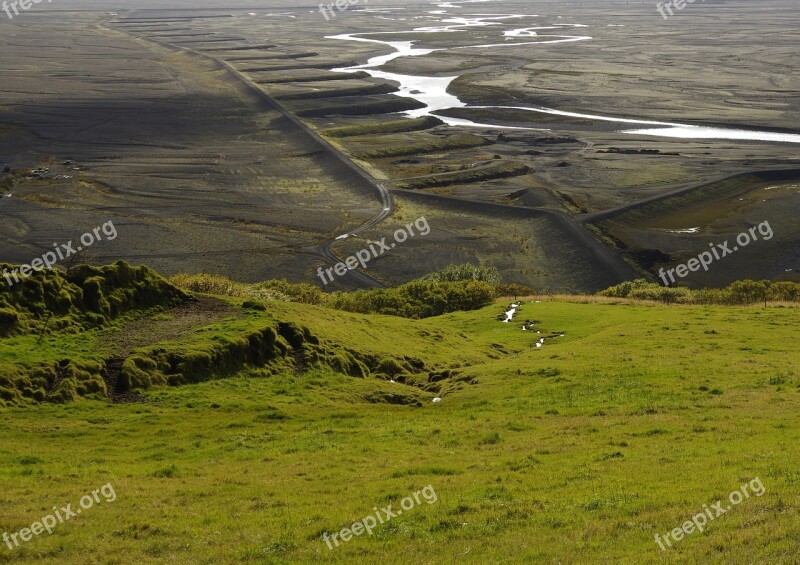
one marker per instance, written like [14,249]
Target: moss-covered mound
[112,331]
[63,304]
[82,298]
[59,382]
[284,347]
[277,348]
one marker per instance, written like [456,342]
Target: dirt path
[153,328]
[167,326]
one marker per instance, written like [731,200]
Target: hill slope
[580,450]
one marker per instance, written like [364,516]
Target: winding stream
[432,91]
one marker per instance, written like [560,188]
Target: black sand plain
[204,133]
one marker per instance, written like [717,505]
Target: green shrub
[747,292]
[268,290]
[739,292]
[624,289]
[666,294]
[465,272]
[417,299]
[785,291]
[514,289]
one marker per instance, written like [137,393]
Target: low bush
[417,299]
[739,292]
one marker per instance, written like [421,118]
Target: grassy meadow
[578,451]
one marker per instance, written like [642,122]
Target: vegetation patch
[737,293]
[462,287]
[282,79]
[82,298]
[503,170]
[359,91]
[452,142]
[71,364]
[394,126]
[383,106]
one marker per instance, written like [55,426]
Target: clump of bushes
[737,293]
[458,287]
[417,299]
[452,289]
[267,290]
[209,284]
[514,289]
[465,272]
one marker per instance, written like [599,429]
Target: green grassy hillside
[49,321]
[578,451]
